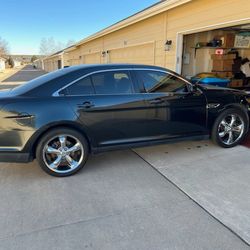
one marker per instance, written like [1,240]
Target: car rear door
[173,110]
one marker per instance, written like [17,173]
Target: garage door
[143,54]
[73,62]
[92,58]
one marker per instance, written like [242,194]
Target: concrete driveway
[117,202]
[216,178]
[163,197]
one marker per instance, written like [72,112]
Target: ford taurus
[62,117]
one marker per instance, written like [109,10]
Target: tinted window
[113,82]
[155,81]
[81,87]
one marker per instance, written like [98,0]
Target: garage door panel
[74,62]
[92,58]
[138,54]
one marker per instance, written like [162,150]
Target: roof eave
[142,15]
[152,11]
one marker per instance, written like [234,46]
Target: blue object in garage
[215,81]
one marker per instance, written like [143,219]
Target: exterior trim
[216,26]
[142,15]
[105,148]
[213,105]
[56,93]
[133,45]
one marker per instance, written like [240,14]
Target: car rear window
[81,87]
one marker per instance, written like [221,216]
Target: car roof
[68,74]
[112,66]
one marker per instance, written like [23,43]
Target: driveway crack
[185,193]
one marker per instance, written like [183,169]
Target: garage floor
[216,178]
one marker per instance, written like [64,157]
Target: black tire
[217,125]
[79,156]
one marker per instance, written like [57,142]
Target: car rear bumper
[15,157]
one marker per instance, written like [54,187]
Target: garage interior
[218,57]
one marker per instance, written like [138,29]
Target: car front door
[110,106]
[173,110]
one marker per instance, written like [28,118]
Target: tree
[49,46]
[11,62]
[70,43]
[33,58]
[4,48]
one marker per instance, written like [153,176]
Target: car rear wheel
[62,152]
[230,128]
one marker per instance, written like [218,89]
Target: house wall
[2,65]
[143,42]
[51,63]
[38,64]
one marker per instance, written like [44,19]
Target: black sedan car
[61,117]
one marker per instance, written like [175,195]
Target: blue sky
[23,23]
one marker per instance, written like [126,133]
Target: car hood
[224,95]
[211,88]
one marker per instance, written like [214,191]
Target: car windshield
[26,87]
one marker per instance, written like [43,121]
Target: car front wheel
[230,128]
[62,152]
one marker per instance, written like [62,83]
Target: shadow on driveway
[26,74]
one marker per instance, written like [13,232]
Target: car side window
[81,87]
[155,81]
[113,82]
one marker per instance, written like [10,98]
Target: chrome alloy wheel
[231,129]
[63,153]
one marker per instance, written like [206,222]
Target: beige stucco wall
[137,36]
[50,64]
[192,17]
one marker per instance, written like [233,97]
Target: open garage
[167,34]
[219,57]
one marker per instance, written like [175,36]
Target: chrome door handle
[86,105]
[156,101]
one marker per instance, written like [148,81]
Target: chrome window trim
[56,93]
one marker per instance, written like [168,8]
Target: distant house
[23,59]
[2,64]
[17,63]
